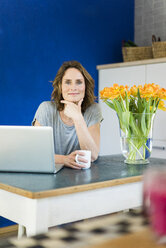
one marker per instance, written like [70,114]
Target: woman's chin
[74,100]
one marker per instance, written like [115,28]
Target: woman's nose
[73,86]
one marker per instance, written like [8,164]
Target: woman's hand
[72,110]
[69,160]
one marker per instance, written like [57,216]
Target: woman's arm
[67,160]
[89,138]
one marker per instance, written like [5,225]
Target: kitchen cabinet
[138,72]
[159,149]
[156,73]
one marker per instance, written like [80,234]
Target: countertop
[132,63]
[107,171]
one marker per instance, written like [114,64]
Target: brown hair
[57,85]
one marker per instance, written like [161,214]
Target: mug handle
[76,158]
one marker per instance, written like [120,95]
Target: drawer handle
[159,147]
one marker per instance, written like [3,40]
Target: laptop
[27,149]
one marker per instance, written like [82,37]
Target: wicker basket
[136,53]
[159,49]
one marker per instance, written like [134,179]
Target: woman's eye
[79,82]
[67,82]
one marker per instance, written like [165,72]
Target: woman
[73,114]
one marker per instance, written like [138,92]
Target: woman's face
[73,85]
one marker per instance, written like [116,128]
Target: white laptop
[27,149]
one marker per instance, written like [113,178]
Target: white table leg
[21,231]
[126,210]
[30,213]
[38,213]
[33,230]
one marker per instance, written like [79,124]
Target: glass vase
[136,131]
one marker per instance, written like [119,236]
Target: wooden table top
[140,239]
[107,171]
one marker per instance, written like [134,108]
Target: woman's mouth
[73,94]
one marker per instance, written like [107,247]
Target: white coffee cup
[87,156]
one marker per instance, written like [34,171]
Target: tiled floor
[85,233]
[12,231]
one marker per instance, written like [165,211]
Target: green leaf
[122,104]
[132,105]
[125,120]
[153,106]
[133,125]
[157,104]
[148,106]
[110,104]
[118,107]
[143,123]
[126,101]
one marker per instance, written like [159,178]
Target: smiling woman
[73,86]
[73,115]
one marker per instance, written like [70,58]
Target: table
[39,201]
[121,230]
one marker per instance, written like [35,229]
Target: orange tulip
[162,106]
[148,91]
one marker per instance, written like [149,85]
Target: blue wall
[36,36]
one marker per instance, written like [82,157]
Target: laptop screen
[27,149]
